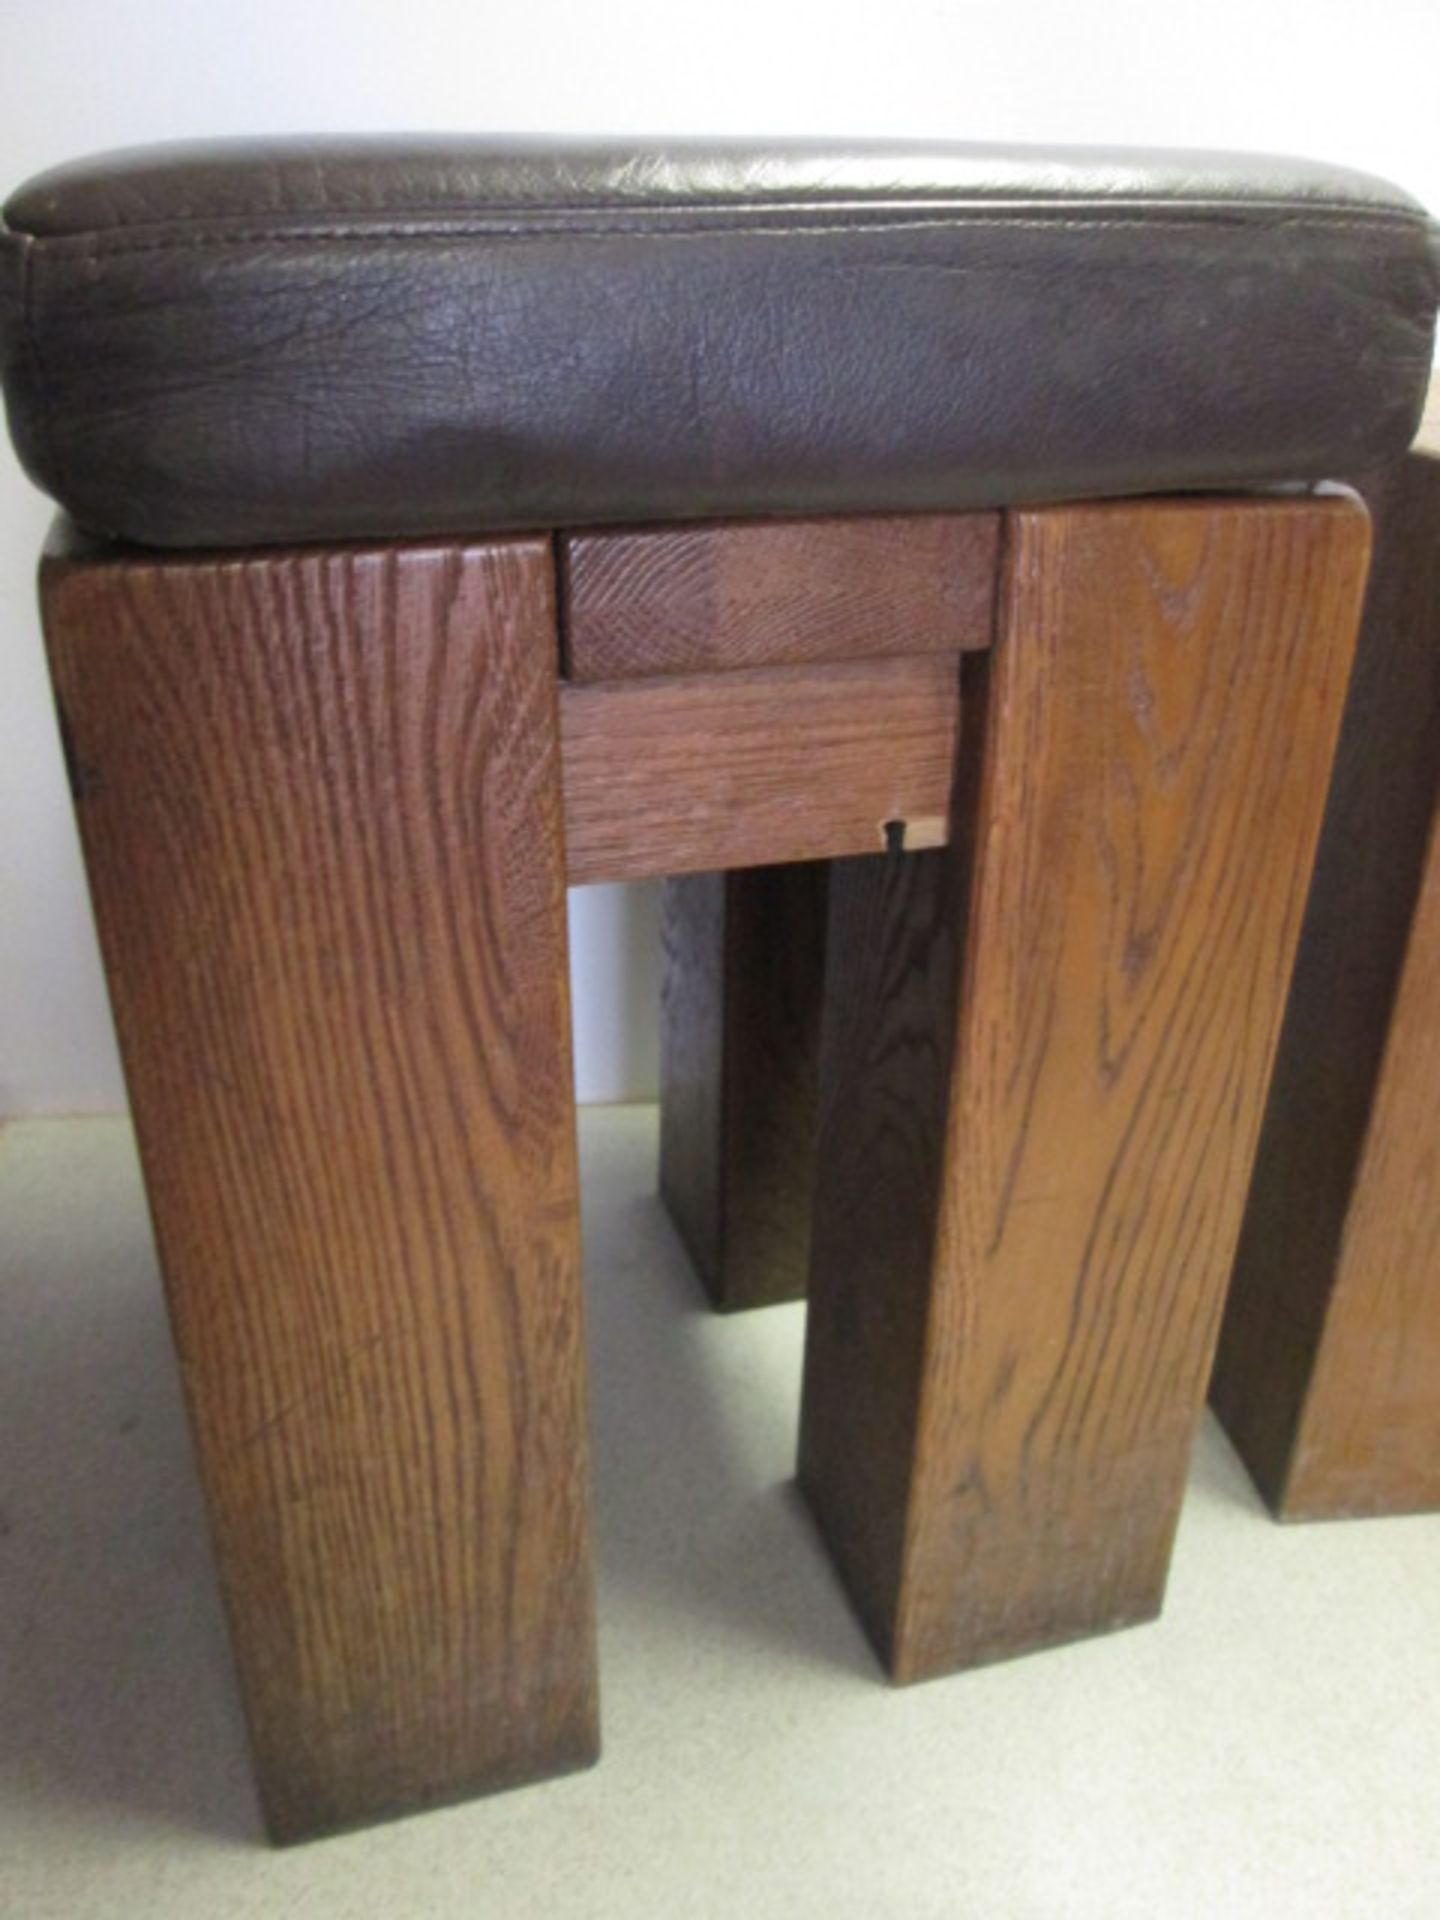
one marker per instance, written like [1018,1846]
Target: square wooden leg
[740,1040]
[319,794]
[1366,1438]
[1044,1058]
[1328,1371]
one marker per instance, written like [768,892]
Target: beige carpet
[1270,1748]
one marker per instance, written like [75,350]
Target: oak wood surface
[693,773]
[1302,1242]
[320,800]
[741,994]
[1017,1275]
[695,599]
[1368,1438]
[692,1065]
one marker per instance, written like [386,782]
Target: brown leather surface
[312,339]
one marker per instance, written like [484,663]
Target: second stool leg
[1327,1373]
[1043,1064]
[1366,1432]
[320,801]
[740,1032]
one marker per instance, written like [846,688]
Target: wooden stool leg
[1367,1440]
[1327,1375]
[740,1032]
[320,802]
[1035,1138]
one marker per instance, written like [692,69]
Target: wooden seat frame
[1065,770]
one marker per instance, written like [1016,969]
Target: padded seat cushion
[313,339]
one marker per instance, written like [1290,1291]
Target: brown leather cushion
[309,339]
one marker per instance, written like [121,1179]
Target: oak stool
[446,521]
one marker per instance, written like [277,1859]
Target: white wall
[1325,77]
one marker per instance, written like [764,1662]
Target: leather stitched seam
[1380,224]
[1161,207]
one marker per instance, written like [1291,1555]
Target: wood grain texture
[320,800]
[686,775]
[741,994]
[891,992]
[1283,1316]
[697,599]
[1031,1177]
[1368,1439]
[692,1064]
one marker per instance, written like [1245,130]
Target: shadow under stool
[462,520]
